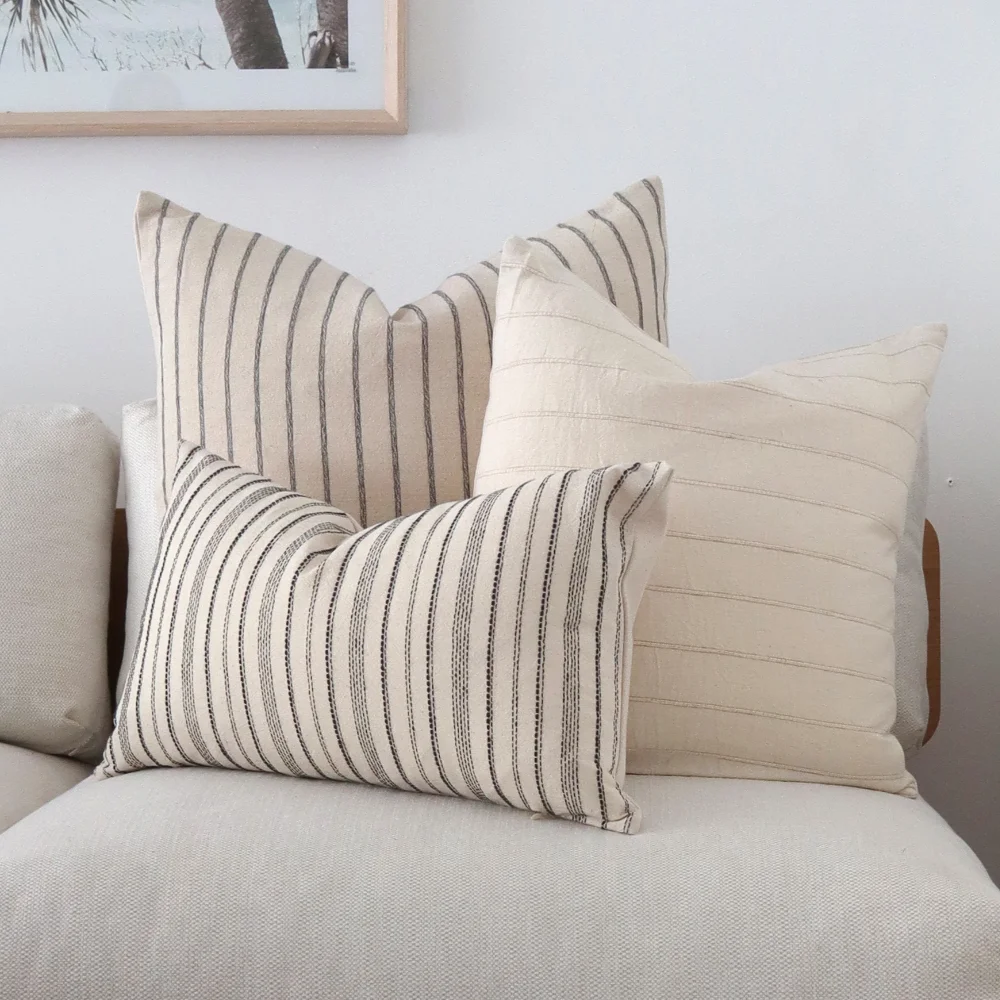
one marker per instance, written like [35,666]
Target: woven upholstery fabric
[29,779]
[58,480]
[141,475]
[292,368]
[174,884]
[912,614]
[764,646]
[480,648]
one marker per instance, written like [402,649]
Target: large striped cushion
[480,648]
[294,369]
[764,647]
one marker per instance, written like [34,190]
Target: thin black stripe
[177,318]
[201,555]
[408,644]
[543,618]
[320,525]
[489,264]
[254,239]
[428,426]
[258,346]
[240,507]
[666,259]
[378,537]
[390,366]
[622,524]
[652,259]
[609,288]
[159,323]
[331,613]
[201,331]
[324,416]
[460,394]
[289,618]
[172,569]
[384,645]
[289,409]
[594,214]
[275,525]
[356,386]
[459,511]
[311,674]
[519,618]
[491,639]
[460,639]
[484,305]
[576,591]
[560,256]
[599,646]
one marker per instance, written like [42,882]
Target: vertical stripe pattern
[246,328]
[281,636]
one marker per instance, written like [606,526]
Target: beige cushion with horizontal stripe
[294,369]
[764,647]
[480,648]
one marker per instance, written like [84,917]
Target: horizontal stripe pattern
[294,369]
[766,633]
[477,649]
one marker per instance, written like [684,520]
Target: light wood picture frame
[385,85]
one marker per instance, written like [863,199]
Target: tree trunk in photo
[331,19]
[252,34]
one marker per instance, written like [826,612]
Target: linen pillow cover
[764,646]
[481,648]
[294,369]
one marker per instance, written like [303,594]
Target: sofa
[190,882]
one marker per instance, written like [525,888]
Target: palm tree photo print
[143,35]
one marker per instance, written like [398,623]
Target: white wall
[831,176]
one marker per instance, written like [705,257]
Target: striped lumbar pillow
[294,369]
[764,646]
[481,648]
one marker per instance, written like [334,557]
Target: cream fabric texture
[480,648]
[58,481]
[188,884]
[141,475]
[292,368]
[29,779]
[764,646]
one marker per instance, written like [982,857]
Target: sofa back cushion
[58,482]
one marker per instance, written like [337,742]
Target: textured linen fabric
[292,368]
[58,482]
[29,779]
[175,884]
[480,648]
[141,474]
[912,614]
[764,646]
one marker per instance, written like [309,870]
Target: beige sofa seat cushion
[58,482]
[180,883]
[288,366]
[764,646]
[29,779]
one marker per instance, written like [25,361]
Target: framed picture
[189,67]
